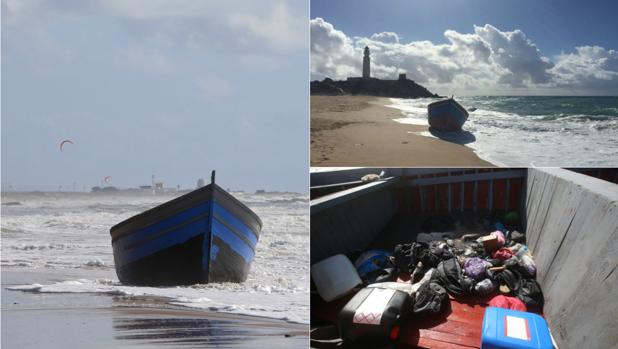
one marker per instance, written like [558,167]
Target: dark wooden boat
[446,115]
[204,236]
[570,220]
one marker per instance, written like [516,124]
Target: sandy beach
[360,131]
[88,320]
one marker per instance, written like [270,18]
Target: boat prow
[446,115]
[204,236]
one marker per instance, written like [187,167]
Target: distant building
[200,182]
[402,77]
[366,64]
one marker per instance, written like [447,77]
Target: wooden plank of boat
[446,115]
[204,236]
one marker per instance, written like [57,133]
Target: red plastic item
[503,254]
[395,332]
[507,303]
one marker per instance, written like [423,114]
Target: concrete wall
[352,220]
[572,231]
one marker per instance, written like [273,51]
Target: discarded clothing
[502,254]
[450,276]
[476,267]
[406,287]
[517,237]
[505,302]
[407,256]
[429,299]
[528,263]
[507,277]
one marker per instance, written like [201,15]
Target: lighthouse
[366,64]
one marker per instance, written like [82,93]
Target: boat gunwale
[457,105]
[183,201]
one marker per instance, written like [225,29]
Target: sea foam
[533,131]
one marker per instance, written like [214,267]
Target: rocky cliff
[401,88]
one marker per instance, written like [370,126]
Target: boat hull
[204,236]
[446,115]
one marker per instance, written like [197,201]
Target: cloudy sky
[173,88]
[472,47]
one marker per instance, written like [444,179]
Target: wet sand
[360,131]
[35,320]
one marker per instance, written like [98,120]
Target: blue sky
[554,29]
[553,25]
[171,88]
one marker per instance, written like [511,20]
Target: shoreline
[93,320]
[361,131]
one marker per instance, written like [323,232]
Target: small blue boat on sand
[204,236]
[446,115]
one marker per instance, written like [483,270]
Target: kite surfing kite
[63,143]
[107,179]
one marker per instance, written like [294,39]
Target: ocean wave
[28,247]
[520,131]
[259,302]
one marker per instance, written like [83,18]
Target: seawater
[69,232]
[532,130]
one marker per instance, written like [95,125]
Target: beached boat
[204,236]
[446,115]
[569,220]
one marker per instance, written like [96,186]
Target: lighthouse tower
[366,64]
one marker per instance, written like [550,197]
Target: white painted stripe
[370,311]
[516,327]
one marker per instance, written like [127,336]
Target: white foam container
[334,277]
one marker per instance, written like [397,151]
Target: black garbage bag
[511,278]
[485,287]
[449,275]
[429,299]
[404,256]
[530,293]
[407,256]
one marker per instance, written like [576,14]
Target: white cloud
[280,28]
[488,61]
[388,37]
[332,52]
[589,67]
[270,24]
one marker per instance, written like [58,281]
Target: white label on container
[516,327]
[370,311]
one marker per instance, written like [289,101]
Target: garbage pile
[471,265]
[497,267]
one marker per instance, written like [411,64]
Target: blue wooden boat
[204,236]
[446,115]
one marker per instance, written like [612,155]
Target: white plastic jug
[334,277]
